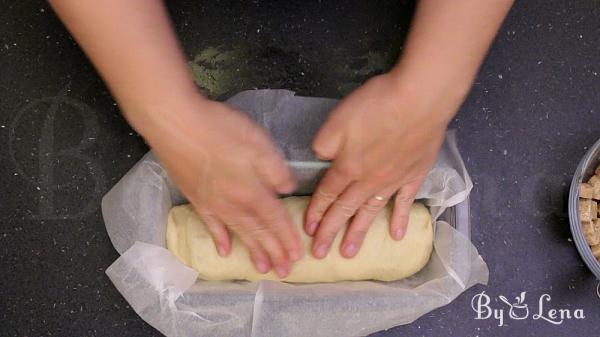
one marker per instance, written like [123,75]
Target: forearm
[447,43]
[134,47]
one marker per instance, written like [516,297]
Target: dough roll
[380,257]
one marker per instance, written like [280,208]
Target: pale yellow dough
[380,258]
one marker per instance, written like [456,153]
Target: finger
[266,220]
[254,202]
[337,215]
[329,139]
[357,230]
[259,257]
[280,222]
[274,217]
[330,187]
[252,234]
[218,231]
[402,203]
[250,229]
[271,168]
[271,246]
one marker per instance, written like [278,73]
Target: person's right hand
[231,172]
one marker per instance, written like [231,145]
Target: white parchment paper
[168,295]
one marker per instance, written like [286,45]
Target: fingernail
[349,249]
[281,271]
[321,250]
[262,267]
[221,250]
[398,233]
[312,227]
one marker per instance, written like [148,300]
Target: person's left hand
[383,139]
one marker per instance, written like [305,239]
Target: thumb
[328,140]
[271,167]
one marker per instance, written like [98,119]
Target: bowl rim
[575,224]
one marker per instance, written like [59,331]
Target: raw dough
[380,258]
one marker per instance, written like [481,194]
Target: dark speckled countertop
[533,111]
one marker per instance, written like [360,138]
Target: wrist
[440,95]
[163,111]
[434,76]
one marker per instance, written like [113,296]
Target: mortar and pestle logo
[518,310]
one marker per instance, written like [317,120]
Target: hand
[231,172]
[383,139]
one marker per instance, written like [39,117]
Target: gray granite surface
[532,113]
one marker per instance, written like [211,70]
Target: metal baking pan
[308,174]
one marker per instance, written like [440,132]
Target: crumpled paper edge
[165,294]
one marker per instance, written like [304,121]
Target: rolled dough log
[380,258]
